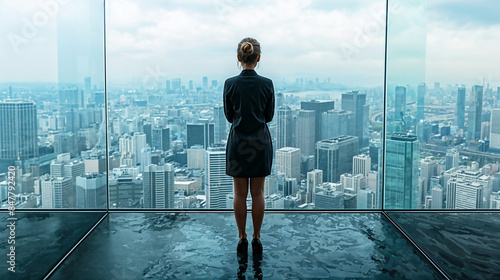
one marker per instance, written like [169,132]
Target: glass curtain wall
[52,117]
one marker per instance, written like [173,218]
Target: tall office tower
[220,133]
[469,195]
[428,169]
[285,128]
[367,199]
[191,85]
[196,157]
[361,164]
[290,187]
[125,191]
[200,134]
[329,200]
[319,106]
[95,164]
[167,85]
[176,84]
[57,192]
[305,132]
[158,185]
[452,159]
[87,89]
[460,109]
[352,183]
[139,140]
[495,129]
[314,179]
[485,131]
[437,198]
[335,155]
[205,82]
[475,110]
[271,185]
[400,103]
[217,184]
[161,138]
[288,161]
[355,102]
[91,191]
[71,98]
[214,83]
[127,150]
[280,99]
[18,132]
[337,123]
[421,90]
[402,161]
[63,166]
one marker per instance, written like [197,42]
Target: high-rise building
[70,98]
[421,90]
[18,132]
[402,190]
[319,106]
[205,82]
[167,85]
[495,129]
[437,198]
[288,161]
[125,191]
[160,138]
[469,195]
[361,164]
[355,102]
[57,192]
[352,183]
[158,185]
[176,84]
[475,110]
[285,129]
[220,133]
[400,103]
[305,132]
[139,143]
[200,134]
[428,169]
[337,123]
[314,179]
[335,156]
[329,200]
[460,109]
[452,159]
[91,191]
[217,184]
[196,157]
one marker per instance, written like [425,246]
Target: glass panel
[35,242]
[203,245]
[442,95]
[465,245]
[52,103]
[167,65]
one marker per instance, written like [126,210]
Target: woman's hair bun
[247,48]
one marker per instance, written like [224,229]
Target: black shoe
[242,254]
[242,246]
[257,246]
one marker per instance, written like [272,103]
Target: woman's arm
[269,111]
[228,106]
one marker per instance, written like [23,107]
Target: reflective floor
[296,246]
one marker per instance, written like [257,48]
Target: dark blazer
[249,106]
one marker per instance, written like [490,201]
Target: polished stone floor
[296,246]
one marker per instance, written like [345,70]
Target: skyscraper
[452,159]
[57,192]
[305,132]
[288,161]
[205,82]
[200,134]
[161,138]
[217,184]
[220,133]
[402,161]
[361,164]
[421,90]
[319,106]
[158,185]
[335,156]
[70,98]
[400,103]
[337,123]
[474,118]
[285,129]
[460,110]
[355,102]
[18,132]
[314,179]
[495,129]
[428,169]
[91,191]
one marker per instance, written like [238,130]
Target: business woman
[249,106]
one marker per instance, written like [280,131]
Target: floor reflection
[465,245]
[203,246]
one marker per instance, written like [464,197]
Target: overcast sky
[446,41]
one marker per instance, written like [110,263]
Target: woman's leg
[240,204]
[258,204]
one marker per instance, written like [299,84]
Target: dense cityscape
[167,146]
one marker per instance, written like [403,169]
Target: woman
[248,106]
